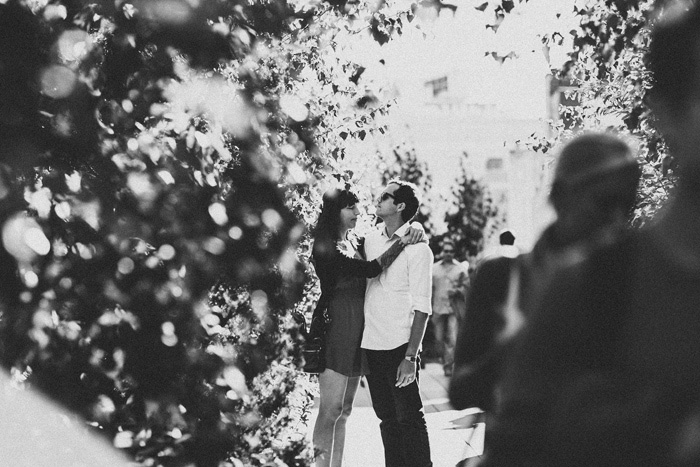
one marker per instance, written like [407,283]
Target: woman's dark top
[343,284]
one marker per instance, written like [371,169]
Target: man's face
[385,202]
[448,253]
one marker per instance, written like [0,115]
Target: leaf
[497,23]
[362,134]
[501,58]
[482,7]
[343,134]
[379,33]
[356,75]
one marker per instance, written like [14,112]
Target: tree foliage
[158,168]
[606,63]
[468,218]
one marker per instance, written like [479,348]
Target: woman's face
[348,217]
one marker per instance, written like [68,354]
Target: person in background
[506,240]
[397,308]
[450,286]
[506,237]
[340,265]
[506,247]
[593,192]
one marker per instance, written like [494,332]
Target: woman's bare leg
[337,396]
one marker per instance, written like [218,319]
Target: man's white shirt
[393,297]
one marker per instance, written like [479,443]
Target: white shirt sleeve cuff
[423,305]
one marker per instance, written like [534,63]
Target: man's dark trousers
[400,410]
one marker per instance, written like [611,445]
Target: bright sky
[432,45]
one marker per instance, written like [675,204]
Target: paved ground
[452,437]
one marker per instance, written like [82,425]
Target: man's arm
[461,292]
[464,279]
[407,369]
[420,280]
[433,285]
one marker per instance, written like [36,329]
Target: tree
[608,65]
[470,215]
[606,62]
[158,169]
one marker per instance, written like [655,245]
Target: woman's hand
[414,234]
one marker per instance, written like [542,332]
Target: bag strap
[321,305]
[318,320]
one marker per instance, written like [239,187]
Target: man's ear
[400,207]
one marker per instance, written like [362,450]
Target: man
[397,307]
[607,372]
[450,284]
[593,193]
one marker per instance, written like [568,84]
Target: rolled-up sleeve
[420,278]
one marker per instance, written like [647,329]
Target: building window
[438,85]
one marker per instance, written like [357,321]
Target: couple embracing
[378,291]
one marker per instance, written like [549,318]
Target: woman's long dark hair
[328,225]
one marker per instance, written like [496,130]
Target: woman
[342,272]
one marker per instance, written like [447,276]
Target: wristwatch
[411,358]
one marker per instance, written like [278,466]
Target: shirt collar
[400,232]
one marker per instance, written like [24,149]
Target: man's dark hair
[673,58]
[408,194]
[506,238]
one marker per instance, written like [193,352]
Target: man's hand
[406,374]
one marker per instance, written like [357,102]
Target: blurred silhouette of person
[593,193]
[606,373]
[450,286]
